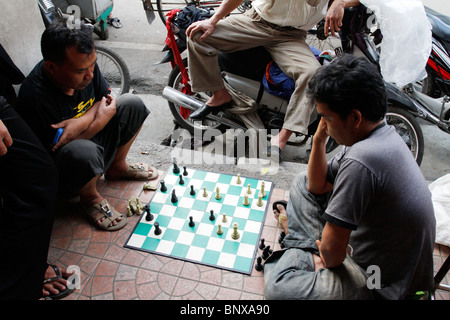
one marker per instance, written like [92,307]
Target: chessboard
[204,217]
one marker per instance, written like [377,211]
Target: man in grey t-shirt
[371,198]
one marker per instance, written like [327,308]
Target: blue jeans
[289,273]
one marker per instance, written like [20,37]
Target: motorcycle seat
[440,24]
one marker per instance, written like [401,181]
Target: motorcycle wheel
[409,129]
[181,114]
[114,70]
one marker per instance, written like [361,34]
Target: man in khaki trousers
[280,27]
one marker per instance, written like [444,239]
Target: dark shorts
[81,160]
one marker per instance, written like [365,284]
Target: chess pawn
[224,218]
[246,202]
[238,180]
[205,194]
[218,195]
[235,235]
[249,189]
[263,191]
[260,202]
[219,229]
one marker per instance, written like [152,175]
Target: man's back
[391,210]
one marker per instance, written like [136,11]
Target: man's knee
[79,152]
[131,109]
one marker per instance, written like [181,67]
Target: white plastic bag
[406,42]
[440,191]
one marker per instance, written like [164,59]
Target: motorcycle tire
[182,116]
[409,130]
[114,70]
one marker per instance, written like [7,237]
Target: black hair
[347,83]
[58,36]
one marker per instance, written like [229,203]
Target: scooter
[95,12]
[243,71]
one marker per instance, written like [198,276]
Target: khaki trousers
[286,45]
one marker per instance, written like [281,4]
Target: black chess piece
[185,173]
[148,216]
[259,266]
[261,244]
[192,193]
[163,187]
[212,217]
[174,197]
[175,169]
[157,228]
[181,182]
[191,222]
[266,252]
[281,236]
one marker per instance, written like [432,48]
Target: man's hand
[5,139]
[333,20]
[205,25]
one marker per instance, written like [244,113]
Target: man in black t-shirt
[67,90]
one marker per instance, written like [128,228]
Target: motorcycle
[244,71]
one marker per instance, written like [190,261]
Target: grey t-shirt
[380,193]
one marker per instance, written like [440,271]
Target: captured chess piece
[259,266]
[266,252]
[261,244]
[157,228]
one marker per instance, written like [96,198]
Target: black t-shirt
[41,103]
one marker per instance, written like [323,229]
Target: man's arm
[333,246]
[317,164]
[207,26]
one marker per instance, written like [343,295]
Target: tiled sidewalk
[111,272]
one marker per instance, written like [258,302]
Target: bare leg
[281,139]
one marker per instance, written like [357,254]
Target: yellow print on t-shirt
[83,107]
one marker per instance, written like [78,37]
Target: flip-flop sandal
[281,216]
[60,294]
[137,171]
[103,209]
[115,22]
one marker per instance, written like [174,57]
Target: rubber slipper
[115,22]
[60,294]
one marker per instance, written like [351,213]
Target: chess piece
[191,222]
[148,216]
[212,217]
[259,266]
[224,218]
[260,202]
[235,235]
[174,197]
[219,229]
[246,202]
[175,168]
[261,244]
[205,194]
[238,180]
[281,236]
[185,173]
[157,229]
[218,196]
[163,187]
[266,252]
[181,182]
[249,189]
[263,191]
[192,192]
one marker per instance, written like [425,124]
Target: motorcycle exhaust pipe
[188,102]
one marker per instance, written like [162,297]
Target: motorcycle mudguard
[394,95]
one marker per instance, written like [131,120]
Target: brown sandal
[103,209]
